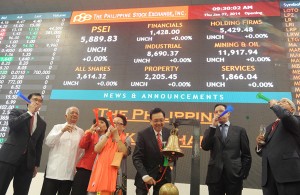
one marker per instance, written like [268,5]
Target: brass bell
[172,149]
[168,189]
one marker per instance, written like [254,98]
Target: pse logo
[82,17]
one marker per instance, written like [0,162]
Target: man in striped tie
[147,157]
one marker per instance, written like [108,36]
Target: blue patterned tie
[223,131]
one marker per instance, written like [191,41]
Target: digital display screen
[183,59]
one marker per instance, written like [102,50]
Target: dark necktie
[223,131]
[159,141]
[31,125]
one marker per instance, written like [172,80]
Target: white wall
[184,189]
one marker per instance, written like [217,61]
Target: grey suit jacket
[19,139]
[282,149]
[232,157]
[147,157]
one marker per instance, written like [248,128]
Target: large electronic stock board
[183,59]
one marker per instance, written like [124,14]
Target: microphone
[228,109]
[23,97]
[109,115]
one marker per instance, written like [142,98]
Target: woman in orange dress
[85,164]
[104,175]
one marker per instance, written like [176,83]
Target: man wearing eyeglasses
[280,150]
[147,157]
[20,155]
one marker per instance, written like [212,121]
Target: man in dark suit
[280,151]
[21,153]
[147,157]
[230,157]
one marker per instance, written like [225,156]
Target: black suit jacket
[147,157]
[282,149]
[232,157]
[19,139]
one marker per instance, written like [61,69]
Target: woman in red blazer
[85,165]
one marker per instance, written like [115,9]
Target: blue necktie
[223,131]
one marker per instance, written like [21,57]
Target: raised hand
[69,128]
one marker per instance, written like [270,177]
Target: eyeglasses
[283,102]
[117,123]
[158,120]
[37,100]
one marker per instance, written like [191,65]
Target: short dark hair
[124,119]
[155,111]
[102,119]
[225,106]
[33,94]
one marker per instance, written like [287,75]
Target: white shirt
[64,152]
